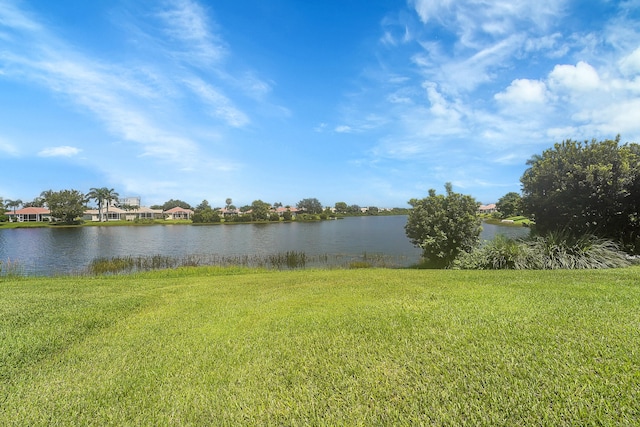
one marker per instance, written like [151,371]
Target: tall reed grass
[289,260]
[10,268]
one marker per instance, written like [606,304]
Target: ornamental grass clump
[561,250]
[501,253]
[555,250]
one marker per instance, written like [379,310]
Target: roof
[178,209]
[487,207]
[29,211]
[283,209]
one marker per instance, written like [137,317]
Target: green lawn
[215,346]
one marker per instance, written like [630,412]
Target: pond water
[47,251]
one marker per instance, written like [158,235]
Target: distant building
[31,214]
[131,201]
[487,209]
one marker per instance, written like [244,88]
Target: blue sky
[369,102]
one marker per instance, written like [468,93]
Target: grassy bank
[213,346]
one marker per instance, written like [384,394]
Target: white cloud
[8,148]
[220,106]
[523,91]
[630,65]
[428,10]
[473,20]
[186,22]
[343,129]
[61,151]
[580,78]
[320,128]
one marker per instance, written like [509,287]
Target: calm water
[46,251]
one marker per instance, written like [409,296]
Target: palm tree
[99,195]
[13,204]
[109,196]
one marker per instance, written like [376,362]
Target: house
[224,212]
[114,214]
[30,214]
[281,210]
[487,209]
[143,212]
[178,213]
[118,214]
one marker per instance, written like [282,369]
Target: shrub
[499,254]
[557,250]
[443,226]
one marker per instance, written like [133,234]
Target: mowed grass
[213,346]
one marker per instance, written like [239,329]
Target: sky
[368,102]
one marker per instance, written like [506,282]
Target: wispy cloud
[137,103]
[62,151]
[8,148]
[186,22]
[219,105]
[480,98]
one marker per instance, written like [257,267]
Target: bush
[556,250]
[443,226]
[560,250]
[501,253]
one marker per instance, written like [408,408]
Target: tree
[203,213]
[170,204]
[341,207]
[109,196]
[287,215]
[66,205]
[13,204]
[99,195]
[260,210]
[228,202]
[312,206]
[38,202]
[510,205]
[443,226]
[586,188]
[354,209]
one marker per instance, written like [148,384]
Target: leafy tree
[312,206]
[228,202]
[170,204]
[38,202]
[586,188]
[287,215]
[260,210]
[510,205]
[354,209]
[203,213]
[373,210]
[341,207]
[443,226]
[66,205]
